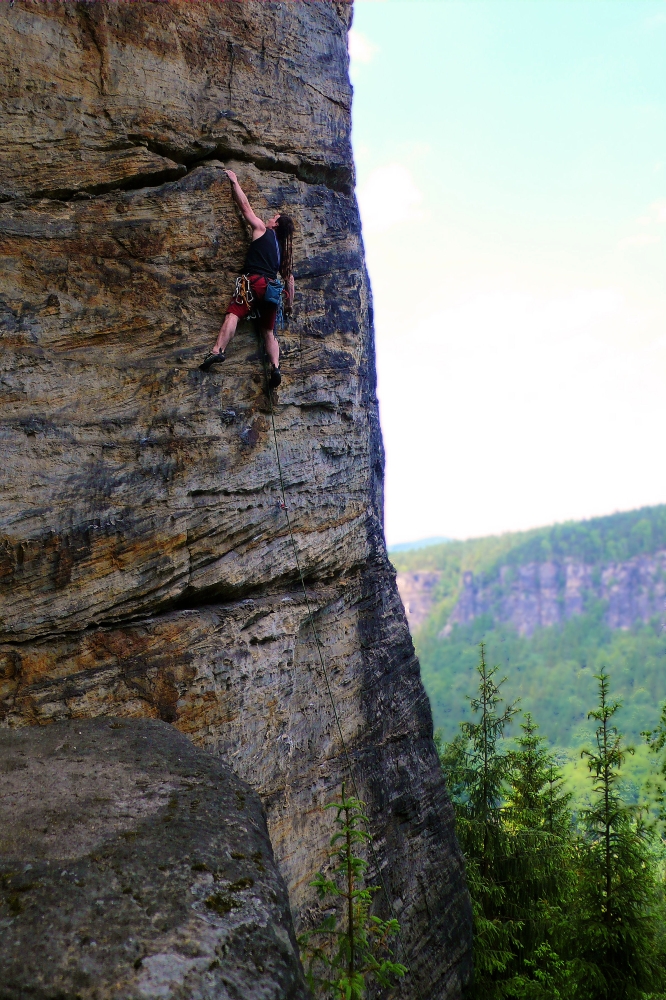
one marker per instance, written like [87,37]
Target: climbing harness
[273,296]
[336,716]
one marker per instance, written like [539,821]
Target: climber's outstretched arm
[258,227]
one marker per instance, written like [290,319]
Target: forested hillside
[553,605]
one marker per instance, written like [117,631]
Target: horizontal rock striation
[536,595]
[102,96]
[134,865]
[146,568]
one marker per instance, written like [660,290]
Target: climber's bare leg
[272,347]
[227,330]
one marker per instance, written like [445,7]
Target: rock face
[536,595]
[146,565]
[134,865]
[417,592]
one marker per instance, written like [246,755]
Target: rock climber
[268,253]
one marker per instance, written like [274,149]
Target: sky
[511,175]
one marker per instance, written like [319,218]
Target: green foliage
[567,889]
[551,672]
[536,797]
[600,539]
[477,770]
[452,560]
[561,910]
[546,976]
[540,862]
[656,742]
[350,947]
[617,926]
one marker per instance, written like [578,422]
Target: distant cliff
[541,578]
[537,595]
[418,592]
[553,605]
[146,566]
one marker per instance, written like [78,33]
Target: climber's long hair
[284,232]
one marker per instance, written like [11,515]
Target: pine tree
[354,946]
[477,768]
[560,913]
[656,740]
[617,926]
[536,797]
[540,889]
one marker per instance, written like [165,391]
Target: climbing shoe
[210,360]
[274,378]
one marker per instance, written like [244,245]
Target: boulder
[134,866]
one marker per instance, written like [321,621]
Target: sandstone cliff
[145,564]
[536,595]
[418,592]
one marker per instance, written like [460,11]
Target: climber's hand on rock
[232,176]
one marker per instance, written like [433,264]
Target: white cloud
[658,210]
[389,196]
[654,218]
[640,240]
[507,410]
[361,49]
[655,215]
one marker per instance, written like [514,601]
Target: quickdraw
[243,294]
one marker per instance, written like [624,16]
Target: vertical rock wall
[541,594]
[145,565]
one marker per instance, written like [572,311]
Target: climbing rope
[329,690]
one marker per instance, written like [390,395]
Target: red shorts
[267,313]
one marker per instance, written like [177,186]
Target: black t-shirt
[263,256]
